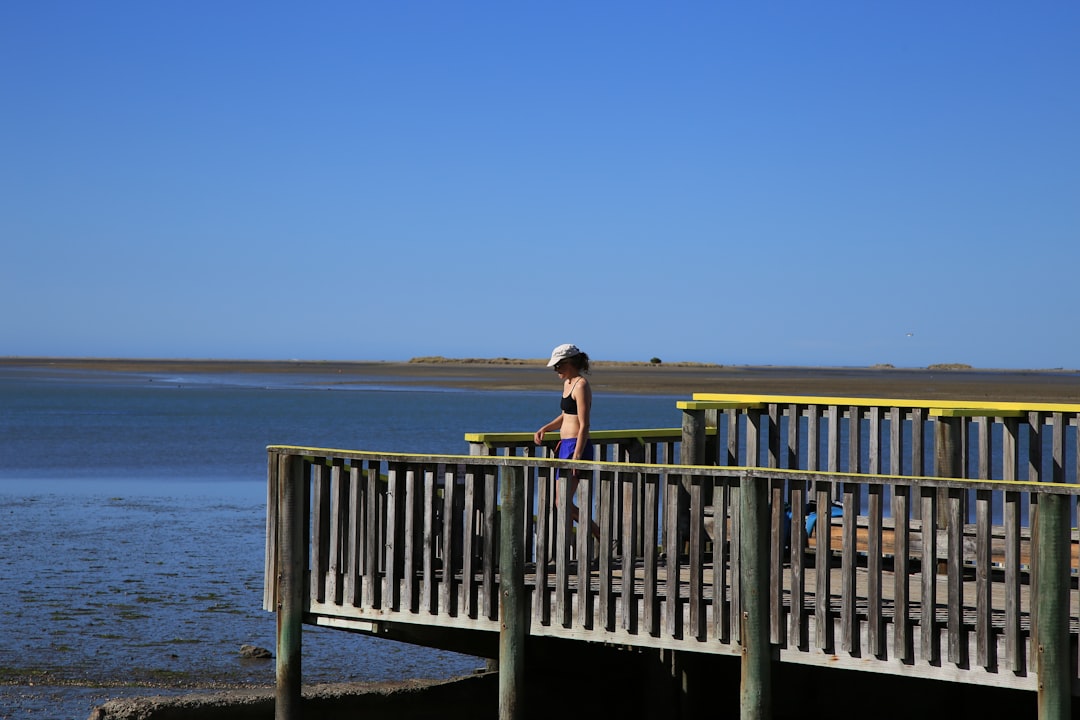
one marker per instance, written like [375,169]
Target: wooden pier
[710,543]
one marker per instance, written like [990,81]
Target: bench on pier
[915,543]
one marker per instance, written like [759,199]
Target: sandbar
[680,380]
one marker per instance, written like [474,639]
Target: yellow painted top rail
[723,401]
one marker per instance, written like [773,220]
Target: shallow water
[153,589]
[132,522]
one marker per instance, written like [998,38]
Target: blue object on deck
[836,510]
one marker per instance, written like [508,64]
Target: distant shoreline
[633,378]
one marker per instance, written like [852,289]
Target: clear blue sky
[792,183]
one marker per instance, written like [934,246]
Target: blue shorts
[565,450]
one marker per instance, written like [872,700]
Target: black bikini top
[569,404]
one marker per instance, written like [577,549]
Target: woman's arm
[538,436]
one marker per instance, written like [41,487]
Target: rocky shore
[466,697]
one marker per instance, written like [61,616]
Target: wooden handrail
[595,435]
[1000,406]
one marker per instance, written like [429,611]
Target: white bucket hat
[563,352]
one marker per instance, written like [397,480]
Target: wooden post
[947,458]
[1054,555]
[290,578]
[755,689]
[512,606]
[692,448]
[691,452]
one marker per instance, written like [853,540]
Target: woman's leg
[565,452]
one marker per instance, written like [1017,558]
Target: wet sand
[1044,386]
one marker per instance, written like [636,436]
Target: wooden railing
[687,556]
[944,438]
[644,445]
[800,525]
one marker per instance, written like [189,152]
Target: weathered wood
[733,433]
[292,513]
[544,552]
[875,616]
[391,587]
[832,455]
[777,524]
[822,562]
[339,520]
[471,535]
[722,615]
[606,518]
[855,439]
[930,639]
[531,509]
[692,447]
[849,620]
[970,542]
[450,531]
[561,611]
[964,590]
[903,637]
[320,532]
[799,618]
[896,440]
[1036,473]
[772,420]
[984,511]
[270,556]
[410,590]
[696,627]
[583,542]
[918,418]
[1015,658]
[513,605]
[983,599]
[794,435]
[651,615]
[672,550]
[1052,634]
[428,596]
[491,483]
[755,696]
[779,528]
[354,580]
[631,511]
[955,573]
[372,540]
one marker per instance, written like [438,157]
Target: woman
[573,422]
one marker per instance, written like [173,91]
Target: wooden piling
[513,619]
[291,590]
[755,687]
[1052,632]
[692,448]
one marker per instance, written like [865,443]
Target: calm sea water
[132,510]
